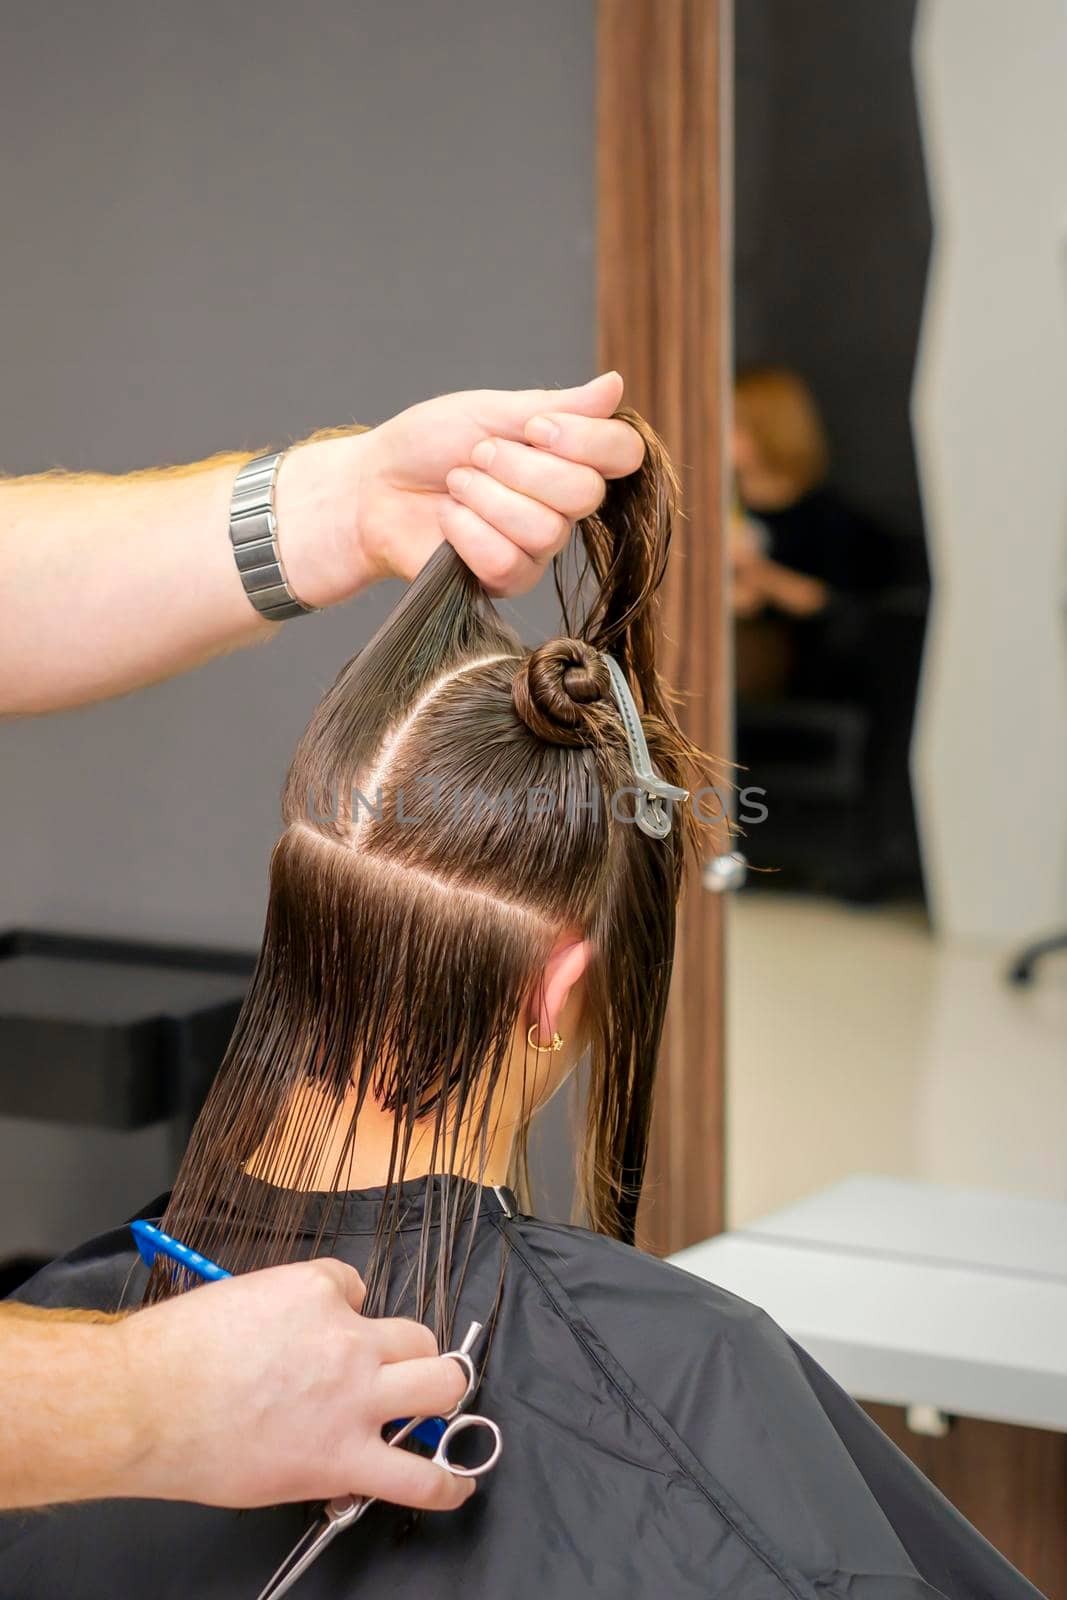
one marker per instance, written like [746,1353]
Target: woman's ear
[561,973]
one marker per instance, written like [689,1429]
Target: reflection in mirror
[896,1105]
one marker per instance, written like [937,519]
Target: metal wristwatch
[254,536]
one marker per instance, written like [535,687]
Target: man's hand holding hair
[140,570]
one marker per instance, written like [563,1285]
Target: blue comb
[152,1242]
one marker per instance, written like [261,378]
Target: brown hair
[398,956]
[778,409]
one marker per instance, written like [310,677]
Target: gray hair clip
[653,817]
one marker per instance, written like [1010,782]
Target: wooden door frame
[664,164]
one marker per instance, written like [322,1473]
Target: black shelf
[113,1033]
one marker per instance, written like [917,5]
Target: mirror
[901,351]
[896,978]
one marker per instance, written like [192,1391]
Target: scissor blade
[307,1549]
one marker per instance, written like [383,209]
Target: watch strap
[254,536]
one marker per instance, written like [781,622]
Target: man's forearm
[111,583]
[67,1425]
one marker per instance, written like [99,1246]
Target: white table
[914,1293]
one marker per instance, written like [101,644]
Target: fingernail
[539,430]
[458,479]
[482,454]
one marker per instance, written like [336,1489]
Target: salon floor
[858,1043]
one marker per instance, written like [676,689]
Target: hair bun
[554,688]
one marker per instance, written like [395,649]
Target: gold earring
[557,1042]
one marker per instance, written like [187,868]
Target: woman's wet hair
[554,688]
[457,803]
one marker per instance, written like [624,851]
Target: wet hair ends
[398,954]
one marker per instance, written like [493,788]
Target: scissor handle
[461,1424]
[422,1427]
[472,1381]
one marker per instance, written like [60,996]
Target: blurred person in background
[804,563]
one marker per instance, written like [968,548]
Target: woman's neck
[340,1162]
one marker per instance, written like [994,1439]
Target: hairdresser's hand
[140,570]
[502,474]
[270,1388]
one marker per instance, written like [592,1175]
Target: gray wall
[990,413]
[224,226]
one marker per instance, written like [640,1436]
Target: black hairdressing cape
[663,1440]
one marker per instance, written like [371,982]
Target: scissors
[337,1515]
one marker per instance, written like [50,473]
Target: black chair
[1021,970]
[835,767]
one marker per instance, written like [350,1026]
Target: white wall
[990,417]
[224,226]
